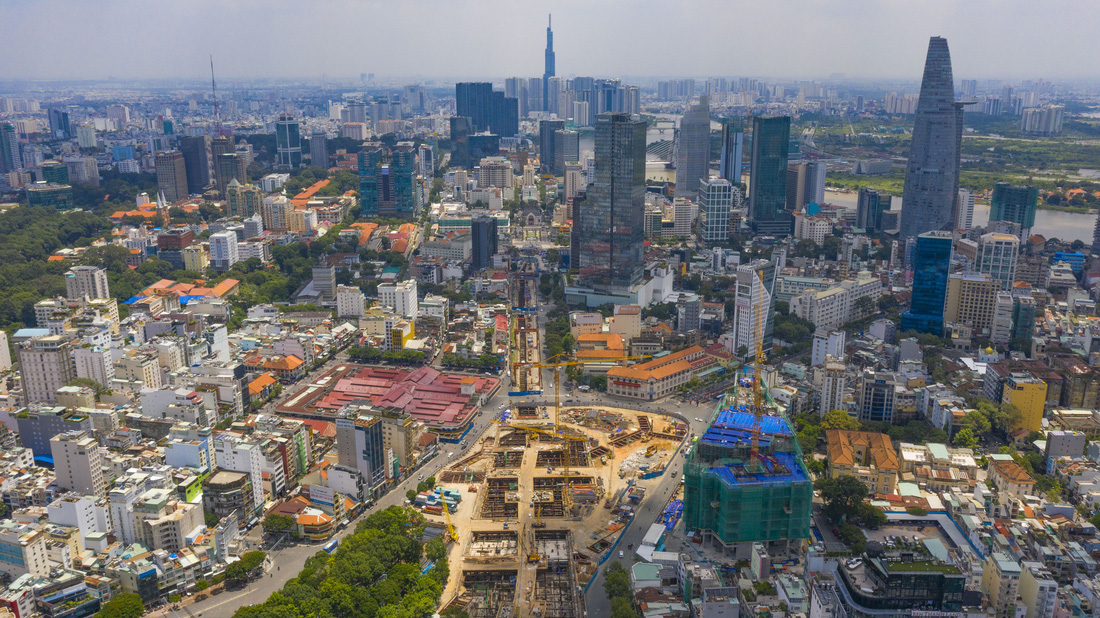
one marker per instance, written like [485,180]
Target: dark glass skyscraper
[486,109]
[59,123]
[196,160]
[1016,204]
[547,128]
[733,149]
[609,242]
[932,175]
[931,265]
[10,158]
[869,208]
[387,182]
[768,182]
[483,230]
[693,148]
[550,68]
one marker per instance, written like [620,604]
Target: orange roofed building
[659,377]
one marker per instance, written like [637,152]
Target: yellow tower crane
[566,497]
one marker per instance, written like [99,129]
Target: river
[1048,223]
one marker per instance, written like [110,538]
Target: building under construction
[733,499]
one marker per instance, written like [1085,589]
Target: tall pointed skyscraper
[932,176]
[549,71]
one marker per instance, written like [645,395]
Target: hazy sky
[454,39]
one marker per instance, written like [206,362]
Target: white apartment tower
[349,302]
[401,297]
[90,281]
[223,251]
[78,463]
[997,255]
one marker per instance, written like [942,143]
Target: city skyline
[582,46]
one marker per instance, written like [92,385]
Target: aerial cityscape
[635,330]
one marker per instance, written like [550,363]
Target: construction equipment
[538,517]
[566,497]
[649,452]
[452,532]
[757,399]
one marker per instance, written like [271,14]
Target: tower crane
[558,428]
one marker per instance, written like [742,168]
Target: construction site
[539,505]
[745,481]
[535,505]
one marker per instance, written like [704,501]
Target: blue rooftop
[30,333]
[132,300]
[734,426]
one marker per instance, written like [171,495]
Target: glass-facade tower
[768,181]
[931,265]
[932,173]
[610,236]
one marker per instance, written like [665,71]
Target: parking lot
[902,535]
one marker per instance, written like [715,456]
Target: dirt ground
[590,524]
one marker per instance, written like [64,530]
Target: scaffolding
[745,481]
[497,501]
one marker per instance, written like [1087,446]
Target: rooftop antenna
[214,88]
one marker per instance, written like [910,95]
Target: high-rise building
[574,180]
[805,184]
[693,148]
[196,160]
[567,149]
[45,365]
[229,166]
[997,255]
[387,181]
[964,211]
[243,200]
[970,302]
[275,213]
[547,131]
[931,263]
[223,251]
[359,445]
[460,142]
[483,229]
[611,232]
[401,297]
[318,148]
[59,123]
[288,142]
[86,281]
[486,109]
[833,383]
[171,175]
[85,136]
[550,64]
[715,201]
[324,280]
[733,147]
[357,112]
[754,306]
[1015,203]
[350,302]
[869,208]
[10,156]
[876,400]
[932,173]
[768,181]
[78,463]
